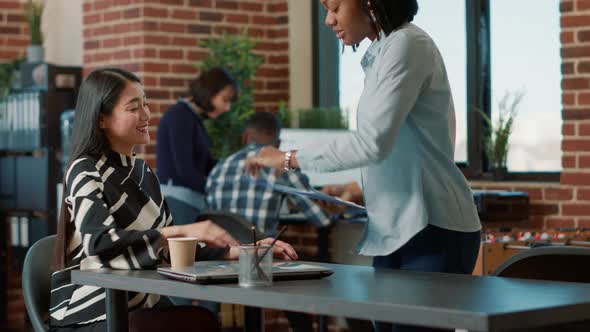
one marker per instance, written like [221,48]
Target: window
[489,48]
[450,37]
[525,57]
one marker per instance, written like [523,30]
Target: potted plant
[234,53]
[33,12]
[496,140]
[313,118]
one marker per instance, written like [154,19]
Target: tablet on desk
[209,272]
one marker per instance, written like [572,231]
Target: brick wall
[14,37]
[159,40]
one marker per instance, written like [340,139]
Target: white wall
[300,53]
[61,25]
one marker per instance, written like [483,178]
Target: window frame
[477,17]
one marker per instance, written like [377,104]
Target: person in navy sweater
[183,157]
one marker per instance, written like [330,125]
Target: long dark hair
[98,94]
[208,84]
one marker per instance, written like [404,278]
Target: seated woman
[114,215]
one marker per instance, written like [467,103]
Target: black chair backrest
[233,223]
[557,263]
[36,281]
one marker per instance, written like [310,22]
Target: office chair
[556,263]
[36,281]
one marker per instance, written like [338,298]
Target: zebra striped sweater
[116,209]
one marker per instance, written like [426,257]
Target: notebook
[208,272]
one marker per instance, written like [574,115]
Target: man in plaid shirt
[230,188]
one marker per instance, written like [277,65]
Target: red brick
[172,27]
[236,18]
[566,6]
[575,51]
[9,4]
[112,16]
[230,30]
[104,4]
[278,33]
[172,82]
[251,6]
[199,28]
[583,194]
[576,114]
[575,83]
[91,19]
[273,72]
[197,55]
[584,161]
[156,40]
[184,14]
[122,55]
[584,98]
[157,94]
[575,178]
[210,16]
[256,32]
[226,4]
[149,81]
[183,69]
[10,30]
[553,194]
[567,37]
[144,53]
[171,54]
[153,67]
[568,161]
[277,7]
[155,12]
[279,85]
[575,210]
[278,59]
[284,46]
[575,145]
[568,129]
[184,41]
[133,40]
[584,129]
[535,194]
[582,4]
[112,42]
[17,42]
[575,21]
[132,13]
[90,45]
[15,18]
[200,3]
[268,20]
[567,68]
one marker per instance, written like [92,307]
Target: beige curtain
[61,25]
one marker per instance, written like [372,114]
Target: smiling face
[127,125]
[221,102]
[348,20]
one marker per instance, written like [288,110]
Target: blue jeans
[433,249]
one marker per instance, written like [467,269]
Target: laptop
[211,272]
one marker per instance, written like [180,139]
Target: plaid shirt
[230,188]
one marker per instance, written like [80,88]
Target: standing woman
[114,216]
[420,207]
[183,157]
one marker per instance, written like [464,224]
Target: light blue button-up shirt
[404,143]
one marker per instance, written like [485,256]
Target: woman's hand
[205,231]
[267,157]
[281,250]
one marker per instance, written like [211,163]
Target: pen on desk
[253,228]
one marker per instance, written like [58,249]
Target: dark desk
[429,299]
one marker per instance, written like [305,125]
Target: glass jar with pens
[255,262]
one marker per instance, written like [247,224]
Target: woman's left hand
[281,250]
[267,157]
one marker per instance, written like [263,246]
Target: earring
[371,12]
